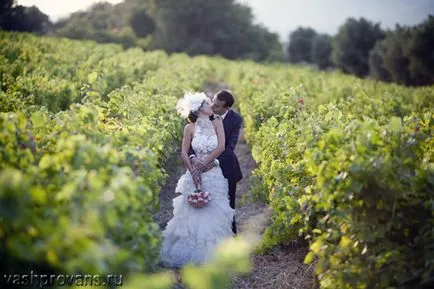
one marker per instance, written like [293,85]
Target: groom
[222,103]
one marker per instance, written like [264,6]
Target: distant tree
[405,55]
[300,45]
[222,27]
[126,37]
[5,8]
[75,27]
[233,35]
[198,18]
[352,44]
[102,22]
[321,50]
[388,60]
[142,23]
[421,53]
[377,66]
[269,46]
[211,27]
[25,19]
[126,23]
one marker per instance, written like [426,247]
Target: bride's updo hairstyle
[192,116]
[188,106]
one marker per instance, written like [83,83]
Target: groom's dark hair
[226,96]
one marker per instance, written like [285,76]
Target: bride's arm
[218,125]
[186,141]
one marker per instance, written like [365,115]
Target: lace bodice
[204,138]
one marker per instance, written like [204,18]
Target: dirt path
[282,267]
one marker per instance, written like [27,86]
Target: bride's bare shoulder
[189,128]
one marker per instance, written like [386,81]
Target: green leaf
[345,242]
[395,123]
[92,77]
[309,257]
[38,119]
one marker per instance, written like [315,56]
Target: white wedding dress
[192,234]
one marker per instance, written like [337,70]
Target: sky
[284,16]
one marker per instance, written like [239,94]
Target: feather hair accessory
[190,102]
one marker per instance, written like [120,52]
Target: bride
[192,235]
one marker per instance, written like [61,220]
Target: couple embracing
[213,171]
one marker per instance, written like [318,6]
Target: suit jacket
[228,160]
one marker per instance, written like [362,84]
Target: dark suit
[228,160]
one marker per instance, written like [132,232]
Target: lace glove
[197,164]
[196,176]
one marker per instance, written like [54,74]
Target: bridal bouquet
[198,198]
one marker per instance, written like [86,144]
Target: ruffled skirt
[192,235]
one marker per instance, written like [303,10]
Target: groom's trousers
[232,189]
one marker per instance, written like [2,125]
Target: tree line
[15,17]
[403,55]
[226,28]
